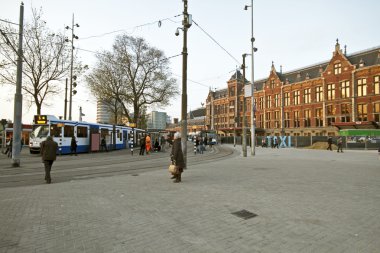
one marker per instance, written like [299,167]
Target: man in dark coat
[103,144]
[142,145]
[49,155]
[177,157]
[73,146]
[329,142]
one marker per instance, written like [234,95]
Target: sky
[291,33]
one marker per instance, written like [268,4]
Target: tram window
[81,132]
[68,131]
[55,131]
[104,132]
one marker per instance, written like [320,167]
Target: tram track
[101,165]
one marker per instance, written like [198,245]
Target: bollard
[132,142]
[195,148]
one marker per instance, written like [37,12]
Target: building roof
[369,57]
[200,112]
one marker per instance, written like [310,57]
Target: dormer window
[337,68]
[272,84]
[361,63]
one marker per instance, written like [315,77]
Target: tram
[87,135]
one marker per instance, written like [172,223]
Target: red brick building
[307,101]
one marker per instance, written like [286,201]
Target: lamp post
[17,117]
[73,36]
[253,108]
[186,25]
[244,144]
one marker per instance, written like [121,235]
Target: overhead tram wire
[98,53]
[9,22]
[225,50]
[133,28]
[202,84]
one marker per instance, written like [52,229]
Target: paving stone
[306,201]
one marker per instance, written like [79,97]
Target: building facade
[156,120]
[103,114]
[306,102]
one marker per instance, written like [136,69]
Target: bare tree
[134,74]
[46,59]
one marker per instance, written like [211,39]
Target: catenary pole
[244,143]
[253,108]
[71,69]
[184,84]
[17,117]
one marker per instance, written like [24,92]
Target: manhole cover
[244,214]
[135,175]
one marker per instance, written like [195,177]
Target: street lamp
[187,21]
[253,108]
[73,36]
[244,143]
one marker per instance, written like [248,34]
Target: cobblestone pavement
[305,201]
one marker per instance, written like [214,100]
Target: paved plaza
[305,201]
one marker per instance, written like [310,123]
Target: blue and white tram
[88,135]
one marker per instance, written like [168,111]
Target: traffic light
[74,85]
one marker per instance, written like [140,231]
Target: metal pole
[65,100]
[244,144]
[17,120]
[184,84]
[71,68]
[236,107]
[253,142]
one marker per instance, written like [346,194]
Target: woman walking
[177,157]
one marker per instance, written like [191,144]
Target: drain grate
[244,214]
[135,175]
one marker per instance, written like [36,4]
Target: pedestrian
[276,143]
[201,145]
[263,143]
[329,142]
[73,146]
[156,146]
[340,144]
[9,148]
[163,143]
[142,145]
[49,155]
[148,144]
[177,157]
[103,144]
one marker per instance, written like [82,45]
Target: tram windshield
[40,131]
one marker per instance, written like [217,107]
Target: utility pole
[186,25]
[17,120]
[253,107]
[73,36]
[65,101]
[244,144]
[236,107]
